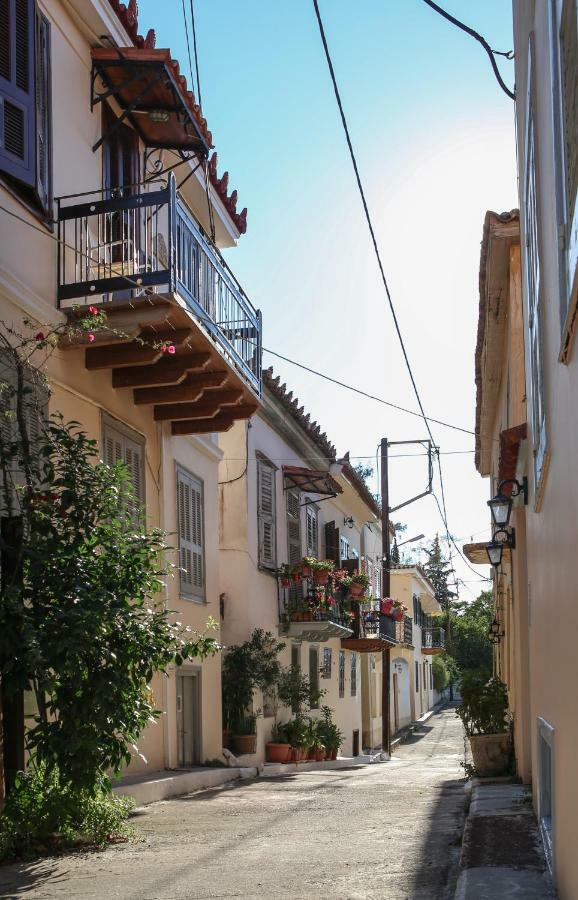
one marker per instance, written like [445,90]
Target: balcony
[146,261]
[307,614]
[372,631]
[404,631]
[433,640]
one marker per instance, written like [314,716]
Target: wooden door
[188,720]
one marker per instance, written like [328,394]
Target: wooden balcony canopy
[311,481]
[476,553]
[147,86]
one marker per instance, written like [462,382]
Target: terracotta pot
[491,753]
[356,590]
[301,754]
[227,733]
[277,753]
[244,743]
[311,754]
[386,607]
[398,615]
[321,577]
[292,754]
[285,582]
[306,572]
[334,754]
[328,754]
[319,754]
[308,617]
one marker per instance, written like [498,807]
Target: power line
[478,37]
[196,56]
[188,42]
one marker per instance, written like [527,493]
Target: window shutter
[191,540]
[119,447]
[17,94]
[314,673]
[312,528]
[332,543]
[43,113]
[533,287]
[569,78]
[293,528]
[266,515]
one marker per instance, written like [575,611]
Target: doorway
[188,719]
[395,703]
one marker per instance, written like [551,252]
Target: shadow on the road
[439,852]
[418,733]
[19,878]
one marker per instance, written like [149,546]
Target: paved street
[386,831]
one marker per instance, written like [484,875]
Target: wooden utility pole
[386,589]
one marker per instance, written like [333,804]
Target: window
[343,548]
[327,661]
[296,655]
[533,291]
[332,543]
[342,673]
[353,668]
[312,531]
[35,408]
[545,785]
[25,113]
[122,444]
[191,536]
[354,554]
[266,515]
[293,527]
[370,569]
[314,676]
[417,677]
[431,678]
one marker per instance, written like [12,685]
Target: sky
[434,138]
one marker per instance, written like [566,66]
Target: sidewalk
[502,854]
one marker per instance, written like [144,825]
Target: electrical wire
[478,37]
[188,42]
[196,56]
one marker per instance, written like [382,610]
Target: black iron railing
[433,638]
[128,244]
[404,631]
[371,624]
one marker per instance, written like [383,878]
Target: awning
[152,94]
[312,481]
[510,440]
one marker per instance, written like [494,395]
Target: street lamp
[418,537]
[494,550]
[495,632]
[501,504]
[495,547]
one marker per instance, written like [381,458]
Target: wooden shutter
[569,79]
[191,535]
[293,528]
[534,287]
[312,531]
[120,447]
[43,114]
[314,672]
[332,543]
[266,515]
[17,94]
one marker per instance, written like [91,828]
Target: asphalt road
[387,831]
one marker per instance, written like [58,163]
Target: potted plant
[307,564]
[386,606]
[278,749]
[359,584]
[296,573]
[245,737]
[322,569]
[284,576]
[329,734]
[484,712]
[399,611]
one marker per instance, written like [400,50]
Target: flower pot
[306,572]
[292,754]
[321,577]
[244,743]
[386,607]
[277,753]
[356,590]
[398,615]
[319,754]
[301,754]
[334,754]
[296,577]
[491,753]
[285,582]
[308,617]
[311,754]
[227,733]
[328,754]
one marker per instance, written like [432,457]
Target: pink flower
[172,349]
[39,336]
[164,348]
[90,338]
[93,310]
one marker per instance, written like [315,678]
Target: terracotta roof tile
[128,17]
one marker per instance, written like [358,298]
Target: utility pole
[385,590]
[386,509]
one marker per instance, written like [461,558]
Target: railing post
[172,231]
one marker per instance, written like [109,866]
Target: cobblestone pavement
[387,831]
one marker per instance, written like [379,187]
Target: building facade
[527,374]
[110,200]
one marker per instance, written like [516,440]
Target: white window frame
[343,547]
[535,327]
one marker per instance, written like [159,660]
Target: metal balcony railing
[433,638]
[130,245]
[371,624]
[404,631]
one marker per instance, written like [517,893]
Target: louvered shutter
[266,515]
[312,528]
[43,111]
[119,447]
[191,535]
[569,78]
[17,90]
[332,551]
[294,553]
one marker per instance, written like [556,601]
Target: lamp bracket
[517,488]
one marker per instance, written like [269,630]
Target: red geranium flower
[39,336]
[93,310]
[90,338]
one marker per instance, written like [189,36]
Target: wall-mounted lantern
[501,504]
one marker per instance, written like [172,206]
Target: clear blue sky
[434,136]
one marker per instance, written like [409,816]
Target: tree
[82,621]
[395,555]
[364,472]
[438,571]
[471,648]
[246,667]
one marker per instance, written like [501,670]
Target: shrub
[484,707]
[45,814]
[441,675]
